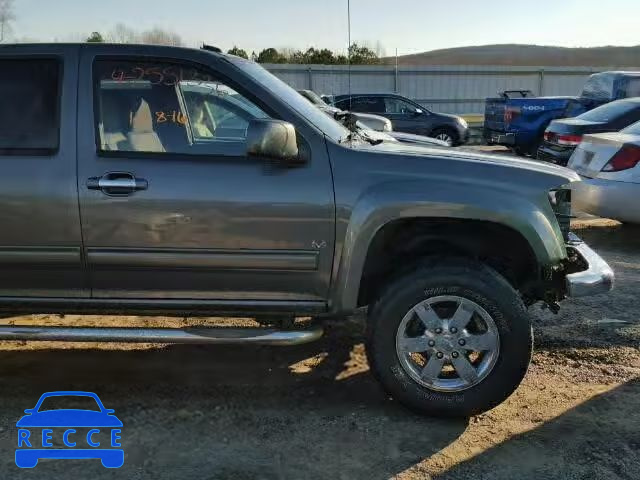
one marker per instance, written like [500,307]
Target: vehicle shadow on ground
[230,412]
[602,433]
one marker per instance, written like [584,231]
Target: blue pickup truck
[518,119]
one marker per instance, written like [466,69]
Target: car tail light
[570,140]
[510,113]
[626,158]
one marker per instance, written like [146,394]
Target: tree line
[121,33]
[358,55]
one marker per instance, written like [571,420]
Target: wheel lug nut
[438,331]
[454,354]
[432,343]
[462,342]
[453,330]
[439,354]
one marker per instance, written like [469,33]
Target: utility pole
[395,83]
[349,49]
[6,17]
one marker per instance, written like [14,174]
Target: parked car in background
[375,122]
[518,119]
[369,122]
[408,116]
[608,165]
[562,136]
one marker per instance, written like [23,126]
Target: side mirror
[274,140]
[109,411]
[29,411]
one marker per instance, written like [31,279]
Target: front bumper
[598,276]
[463,134]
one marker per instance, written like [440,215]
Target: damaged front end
[583,273]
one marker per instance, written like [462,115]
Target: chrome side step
[193,335]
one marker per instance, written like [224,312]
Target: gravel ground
[315,412]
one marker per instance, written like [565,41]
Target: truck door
[172,207]
[40,239]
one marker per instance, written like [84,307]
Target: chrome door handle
[117,183]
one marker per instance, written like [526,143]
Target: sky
[411,26]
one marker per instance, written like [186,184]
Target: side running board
[194,335]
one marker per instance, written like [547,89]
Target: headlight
[463,122]
[386,127]
[560,200]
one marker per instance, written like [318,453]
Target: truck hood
[497,168]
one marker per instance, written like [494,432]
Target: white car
[609,165]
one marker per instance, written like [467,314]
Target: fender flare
[406,199]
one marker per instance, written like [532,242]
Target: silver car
[609,165]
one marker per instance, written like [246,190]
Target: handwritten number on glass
[156,75]
[173,116]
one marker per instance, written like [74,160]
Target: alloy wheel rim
[447,343]
[445,137]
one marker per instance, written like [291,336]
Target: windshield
[326,124]
[610,111]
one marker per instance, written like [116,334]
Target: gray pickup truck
[144,180]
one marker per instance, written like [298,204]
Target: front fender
[533,218]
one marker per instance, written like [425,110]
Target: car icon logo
[91,432]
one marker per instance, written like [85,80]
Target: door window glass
[163,107]
[363,105]
[397,105]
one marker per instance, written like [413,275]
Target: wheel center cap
[447,344]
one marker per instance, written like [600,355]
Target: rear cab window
[30,106]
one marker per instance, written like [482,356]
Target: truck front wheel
[453,338]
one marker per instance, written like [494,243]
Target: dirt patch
[315,412]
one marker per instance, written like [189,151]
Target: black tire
[528,150]
[521,152]
[470,280]
[446,131]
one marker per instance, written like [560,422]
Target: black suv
[407,116]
